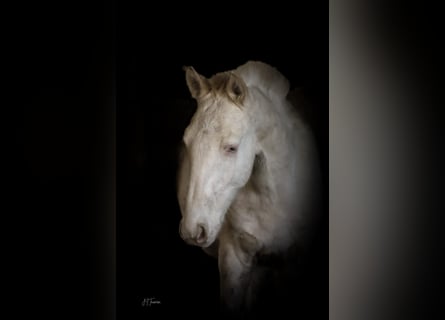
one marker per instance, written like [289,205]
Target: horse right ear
[197,84]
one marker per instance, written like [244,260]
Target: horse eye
[230,148]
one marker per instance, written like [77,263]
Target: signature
[148,302]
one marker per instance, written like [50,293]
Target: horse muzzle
[196,235]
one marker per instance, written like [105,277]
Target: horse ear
[197,84]
[236,89]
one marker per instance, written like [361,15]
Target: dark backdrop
[97,93]
[58,130]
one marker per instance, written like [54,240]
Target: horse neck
[273,122]
[273,126]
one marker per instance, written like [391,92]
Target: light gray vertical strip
[372,151]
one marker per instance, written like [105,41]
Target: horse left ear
[236,89]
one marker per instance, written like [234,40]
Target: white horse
[249,177]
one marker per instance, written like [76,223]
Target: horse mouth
[206,242]
[195,243]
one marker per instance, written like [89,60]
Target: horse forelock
[219,82]
[219,86]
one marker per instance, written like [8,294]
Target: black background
[98,86]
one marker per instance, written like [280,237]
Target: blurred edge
[385,164]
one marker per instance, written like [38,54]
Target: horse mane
[253,74]
[265,77]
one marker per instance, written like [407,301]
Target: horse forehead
[216,117]
[202,126]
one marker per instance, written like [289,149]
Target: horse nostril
[202,235]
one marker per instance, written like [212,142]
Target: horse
[248,182]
